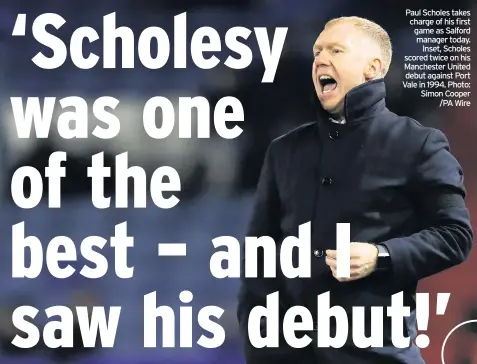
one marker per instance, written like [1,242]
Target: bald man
[396,183]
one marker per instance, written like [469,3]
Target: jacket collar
[361,102]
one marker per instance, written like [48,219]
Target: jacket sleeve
[264,221]
[439,195]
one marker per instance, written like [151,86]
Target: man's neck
[339,121]
[337,118]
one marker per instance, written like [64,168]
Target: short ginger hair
[375,32]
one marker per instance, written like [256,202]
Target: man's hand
[363,258]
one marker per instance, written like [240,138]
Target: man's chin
[332,108]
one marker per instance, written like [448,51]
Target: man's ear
[373,69]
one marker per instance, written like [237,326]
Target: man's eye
[336,50]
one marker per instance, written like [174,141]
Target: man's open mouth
[327,83]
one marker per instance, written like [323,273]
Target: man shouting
[394,180]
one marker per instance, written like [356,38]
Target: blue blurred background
[218,176]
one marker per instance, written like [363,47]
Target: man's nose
[322,60]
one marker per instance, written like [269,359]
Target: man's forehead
[337,34]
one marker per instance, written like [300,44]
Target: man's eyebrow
[317,47]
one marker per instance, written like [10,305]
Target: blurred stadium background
[218,176]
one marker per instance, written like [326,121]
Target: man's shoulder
[407,127]
[295,135]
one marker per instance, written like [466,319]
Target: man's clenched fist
[363,258]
